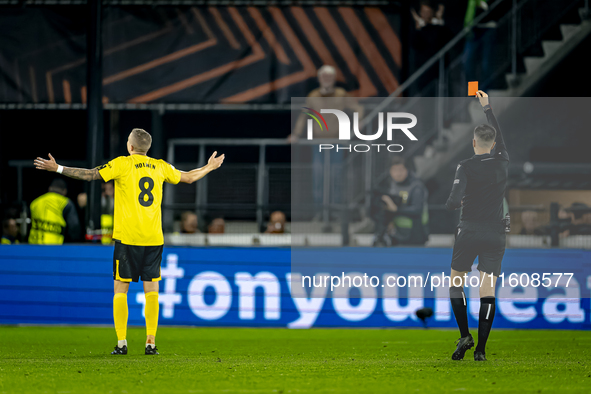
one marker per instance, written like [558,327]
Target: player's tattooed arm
[82,173]
[76,173]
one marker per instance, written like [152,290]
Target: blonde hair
[141,140]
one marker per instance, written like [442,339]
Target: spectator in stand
[327,78]
[217,226]
[108,198]
[54,217]
[429,37]
[340,100]
[189,223]
[575,220]
[276,223]
[107,212]
[427,15]
[9,232]
[81,202]
[580,219]
[529,223]
[564,222]
[480,42]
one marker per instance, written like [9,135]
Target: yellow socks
[120,315]
[152,306]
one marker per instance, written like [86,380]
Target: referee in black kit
[479,188]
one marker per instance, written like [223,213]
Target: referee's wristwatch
[486,107]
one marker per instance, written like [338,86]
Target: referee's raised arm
[500,148]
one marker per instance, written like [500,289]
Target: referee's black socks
[485,320]
[458,304]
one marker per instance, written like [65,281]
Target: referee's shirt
[480,182]
[479,188]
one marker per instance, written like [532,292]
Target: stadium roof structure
[156,3]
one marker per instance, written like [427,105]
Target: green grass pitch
[228,360]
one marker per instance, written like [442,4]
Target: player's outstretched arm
[194,175]
[76,173]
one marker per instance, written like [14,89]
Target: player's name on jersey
[145,165]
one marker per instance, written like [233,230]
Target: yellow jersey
[138,197]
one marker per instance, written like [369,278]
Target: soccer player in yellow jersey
[138,223]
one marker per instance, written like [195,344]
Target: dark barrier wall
[249,287]
[199,54]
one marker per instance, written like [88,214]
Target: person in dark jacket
[401,213]
[429,36]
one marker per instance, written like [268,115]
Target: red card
[472,88]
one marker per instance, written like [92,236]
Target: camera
[378,206]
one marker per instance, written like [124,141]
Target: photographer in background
[580,223]
[400,211]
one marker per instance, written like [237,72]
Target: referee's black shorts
[132,261]
[485,240]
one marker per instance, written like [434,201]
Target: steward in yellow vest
[53,216]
